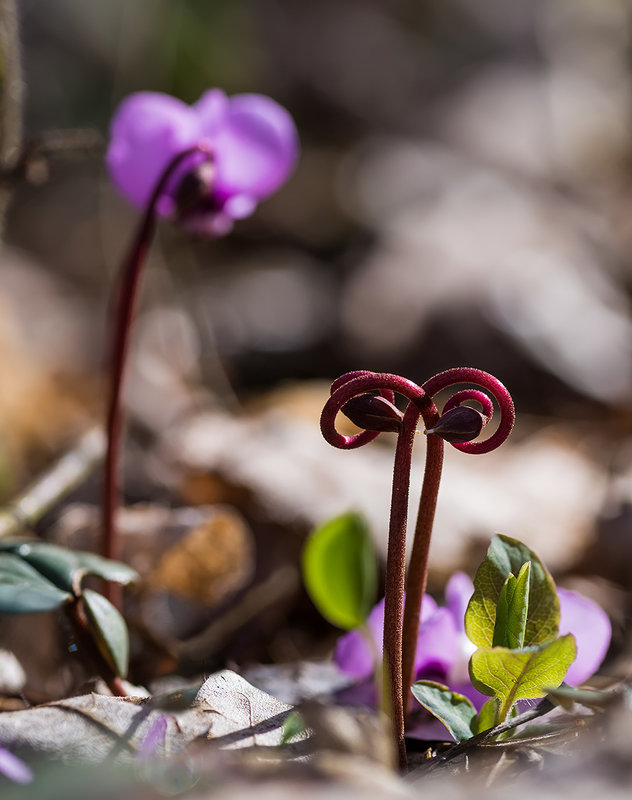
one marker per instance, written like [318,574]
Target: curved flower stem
[124,312]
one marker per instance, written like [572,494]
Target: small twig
[50,488]
[543,707]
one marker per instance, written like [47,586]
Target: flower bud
[373,413]
[460,424]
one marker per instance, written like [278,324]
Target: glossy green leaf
[506,556]
[61,565]
[523,674]
[455,711]
[106,568]
[24,590]
[511,611]
[487,716]
[340,570]
[109,630]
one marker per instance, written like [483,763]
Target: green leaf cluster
[513,618]
[39,576]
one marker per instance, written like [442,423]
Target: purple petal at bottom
[14,768]
[590,626]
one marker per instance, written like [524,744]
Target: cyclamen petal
[211,110]
[252,138]
[154,738]
[256,146]
[592,630]
[14,768]
[148,130]
[458,592]
[437,644]
[353,653]
[355,656]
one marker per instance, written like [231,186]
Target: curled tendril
[357,383]
[490,384]
[354,384]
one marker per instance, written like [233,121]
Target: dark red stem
[393,690]
[418,565]
[129,284]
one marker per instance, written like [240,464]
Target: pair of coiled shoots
[367,399]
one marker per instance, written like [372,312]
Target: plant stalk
[394,581]
[124,312]
[418,566]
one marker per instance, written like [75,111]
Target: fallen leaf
[228,711]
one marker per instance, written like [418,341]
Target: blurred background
[463,197]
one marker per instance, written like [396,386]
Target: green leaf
[23,590]
[61,565]
[106,568]
[507,556]
[487,716]
[340,570]
[523,674]
[455,711]
[511,611]
[109,630]
[293,726]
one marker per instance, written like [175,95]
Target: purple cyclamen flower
[253,141]
[443,649]
[14,768]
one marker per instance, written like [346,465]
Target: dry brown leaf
[227,710]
